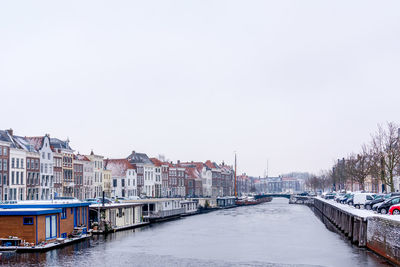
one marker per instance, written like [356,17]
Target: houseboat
[226,202]
[206,203]
[162,209]
[190,207]
[42,225]
[115,217]
[252,200]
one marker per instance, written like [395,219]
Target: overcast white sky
[299,83]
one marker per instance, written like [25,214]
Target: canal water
[270,234]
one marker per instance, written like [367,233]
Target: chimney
[133,152]
[179,162]
[10,132]
[398,132]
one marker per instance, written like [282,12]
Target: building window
[1,164]
[64,213]
[4,164]
[13,163]
[5,151]
[51,227]
[22,163]
[28,220]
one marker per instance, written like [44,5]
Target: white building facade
[98,173]
[17,185]
[46,170]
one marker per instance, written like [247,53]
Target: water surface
[270,234]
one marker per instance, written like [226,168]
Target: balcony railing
[163,213]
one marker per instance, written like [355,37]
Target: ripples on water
[270,234]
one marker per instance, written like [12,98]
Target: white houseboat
[161,209]
[116,217]
[190,207]
[226,202]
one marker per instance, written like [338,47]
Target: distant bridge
[293,198]
[276,195]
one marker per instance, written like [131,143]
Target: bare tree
[339,175]
[386,152]
[359,166]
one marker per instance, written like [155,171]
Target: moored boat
[253,200]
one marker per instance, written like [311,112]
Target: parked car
[330,196]
[394,194]
[349,200]
[377,205]
[339,196]
[360,199]
[377,199]
[385,206]
[395,209]
[92,200]
[65,198]
[344,198]
[133,198]
[106,200]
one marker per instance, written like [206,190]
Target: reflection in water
[270,234]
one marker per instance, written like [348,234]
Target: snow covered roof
[192,173]
[24,144]
[198,165]
[81,157]
[118,167]
[35,141]
[29,211]
[5,137]
[210,165]
[139,158]
[16,141]
[59,144]
[156,162]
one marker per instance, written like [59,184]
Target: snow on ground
[363,213]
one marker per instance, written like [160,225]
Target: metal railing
[163,213]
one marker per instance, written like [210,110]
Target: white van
[360,199]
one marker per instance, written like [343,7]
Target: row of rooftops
[118,167]
[32,144]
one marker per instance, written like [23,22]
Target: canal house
[116,216]
[38,222]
